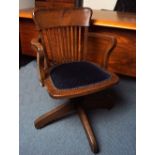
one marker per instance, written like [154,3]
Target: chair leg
[88,129]
[54,115]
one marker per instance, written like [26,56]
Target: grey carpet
[115,129]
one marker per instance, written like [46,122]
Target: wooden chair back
[63,33]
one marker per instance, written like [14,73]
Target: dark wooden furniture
[120,25]
[63,66]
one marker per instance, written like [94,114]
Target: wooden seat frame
[72,23]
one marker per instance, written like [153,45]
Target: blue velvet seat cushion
[77,74]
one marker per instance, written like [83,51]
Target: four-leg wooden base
[66,109]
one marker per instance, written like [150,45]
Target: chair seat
[77,74]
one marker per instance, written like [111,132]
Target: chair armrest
[36,45]
[105,44]
[42,67]
[109,49]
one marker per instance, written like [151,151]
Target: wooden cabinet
[123,58]
[27,32]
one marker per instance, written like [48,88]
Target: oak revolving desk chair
[63,68]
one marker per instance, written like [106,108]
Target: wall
[94,4]
[100,4]
[26,4]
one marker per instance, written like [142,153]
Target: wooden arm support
[109,49]
[42,69]
[104,48]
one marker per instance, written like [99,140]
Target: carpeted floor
[115,129]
